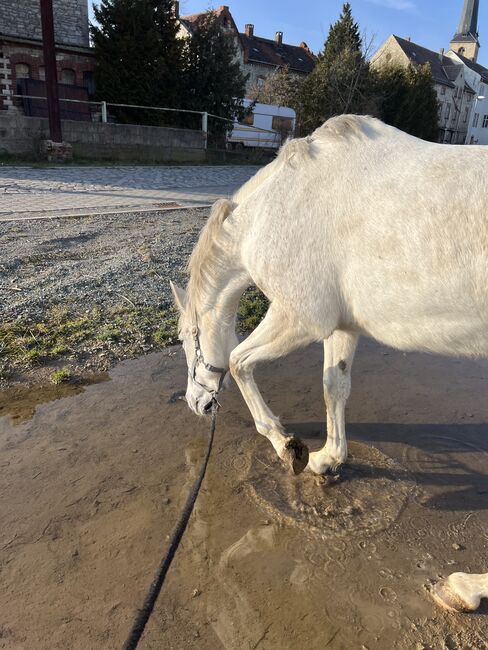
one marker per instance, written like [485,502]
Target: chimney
[441,55]
[249,30]
[279,37]
[176,9]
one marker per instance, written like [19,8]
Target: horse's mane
[208,249]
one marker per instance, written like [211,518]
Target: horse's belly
[459,337]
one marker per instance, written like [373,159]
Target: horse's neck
[216,311]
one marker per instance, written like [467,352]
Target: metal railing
[104,113]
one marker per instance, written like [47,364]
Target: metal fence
[107,112]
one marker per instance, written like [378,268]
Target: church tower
[465,41]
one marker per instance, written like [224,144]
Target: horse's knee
[236,364]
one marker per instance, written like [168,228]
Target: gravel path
[94,261]
[84,293]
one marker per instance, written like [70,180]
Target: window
[248,120]
[68,76]
[22,71]
[469,98]
[485,122]
[439,110]
[89,82]
[443,90]
[448,111]
[482,89]
[466,111]
[476,120]
[282,123]
[260,81]
[42,73]
[461,51]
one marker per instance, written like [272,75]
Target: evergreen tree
[340,82]
[139,58]
[407,99]
[214,79]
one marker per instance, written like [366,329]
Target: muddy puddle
[92,483]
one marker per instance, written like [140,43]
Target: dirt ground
[92,483]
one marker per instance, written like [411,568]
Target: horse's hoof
[295,455]
[446,598]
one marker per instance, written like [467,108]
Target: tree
[407,99]
[282,88]
[214,79]
[139,57]
[340,82]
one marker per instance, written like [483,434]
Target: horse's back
[390,231]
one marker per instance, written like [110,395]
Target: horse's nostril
[208,407]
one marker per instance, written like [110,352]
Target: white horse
[357,229]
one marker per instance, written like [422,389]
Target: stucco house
[454,94]
[259,57]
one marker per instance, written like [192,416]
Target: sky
[430,23]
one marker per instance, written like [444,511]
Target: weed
[60,376]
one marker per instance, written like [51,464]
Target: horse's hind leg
[339,350]
[274,337]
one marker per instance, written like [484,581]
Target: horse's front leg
[339,350]
[461,592]
[274,337]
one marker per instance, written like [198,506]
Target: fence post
[104,112]
[205,127]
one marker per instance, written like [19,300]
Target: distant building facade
[454,95]
[460,81]
[21,56]
[259,57]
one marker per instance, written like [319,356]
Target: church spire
[469,18]
[465,41]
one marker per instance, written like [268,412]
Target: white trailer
[267,126]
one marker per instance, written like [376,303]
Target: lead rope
[155,588]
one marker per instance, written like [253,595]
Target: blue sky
[431,23]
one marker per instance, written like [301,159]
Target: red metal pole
[49,49]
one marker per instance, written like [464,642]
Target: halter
[200,360]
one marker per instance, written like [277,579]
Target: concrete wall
[22,135]
[22,18]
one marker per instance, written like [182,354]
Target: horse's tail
[218,214]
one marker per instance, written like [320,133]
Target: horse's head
[204,380]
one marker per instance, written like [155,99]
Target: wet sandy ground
[91,485]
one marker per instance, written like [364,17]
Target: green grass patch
[60,376]
[118,332]
[252,310]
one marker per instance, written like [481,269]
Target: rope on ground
[155,588]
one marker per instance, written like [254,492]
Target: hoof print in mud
[296,455]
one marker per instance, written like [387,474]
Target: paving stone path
[27,192]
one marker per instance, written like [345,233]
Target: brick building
[21,56]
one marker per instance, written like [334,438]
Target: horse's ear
[179,295]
